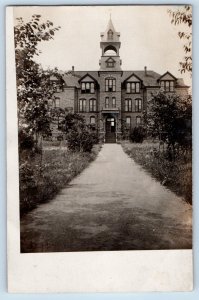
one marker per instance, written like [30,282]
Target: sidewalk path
[112,205]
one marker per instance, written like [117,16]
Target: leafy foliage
[183,16]
[33,83]
[169,119]
[41,183]
[176,175]
[138,134]
[80,137]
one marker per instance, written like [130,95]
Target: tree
[183,16]
[33,83]
[169,119]
[80,137]
[137,134]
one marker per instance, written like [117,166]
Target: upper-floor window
[82,105]
[92,105]
[110,64]
[133,87]
[138,105]
[106,102]
[113,102]
[87,87]
[128,105]
[138,121]
[110,85]
[167,85]
[110,34]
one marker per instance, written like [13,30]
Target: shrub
[26,141]
[81,140]
[137,134]
[80,137]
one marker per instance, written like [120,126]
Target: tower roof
[110,34]
[110,26]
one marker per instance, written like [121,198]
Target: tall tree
[169,119]
[183,16]
[33,83]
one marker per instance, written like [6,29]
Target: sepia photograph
[104,107]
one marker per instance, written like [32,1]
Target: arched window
[82,105]
[107,102]
[128,105]
[110,50]
[110,84]
[110,34]
[138,105]
[92,105]
[113,102]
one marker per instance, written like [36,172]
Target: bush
[80,137]
[81,140]
[26,141]
[137,134]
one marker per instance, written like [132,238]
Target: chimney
[145,71]
[73,69]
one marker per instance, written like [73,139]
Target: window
[82,105]
[92,120]
[106,102]
[87,88]
[138,105]
[110,85]
[171,86]
[57,102]
[133,87]
[110,64]
[128,122]
[128,105]
[92,105]
[167,85]
[114,102]
[110,34]
[138,121]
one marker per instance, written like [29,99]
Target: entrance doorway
[110,130]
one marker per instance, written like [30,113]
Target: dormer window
[110,63]
[110,34]
[167,85]
[133,87]
[87,88]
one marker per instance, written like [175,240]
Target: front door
[110,130]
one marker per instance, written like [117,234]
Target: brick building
[110,97]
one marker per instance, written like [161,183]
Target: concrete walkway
[112,205]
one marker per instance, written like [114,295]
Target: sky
[147,37]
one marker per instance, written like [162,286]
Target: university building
[110,97]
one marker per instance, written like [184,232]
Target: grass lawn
[175,175]
[42,177]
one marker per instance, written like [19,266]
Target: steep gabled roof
[167,73]
[89,75]
[149,78]
[133,75]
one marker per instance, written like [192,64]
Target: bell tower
[110,45]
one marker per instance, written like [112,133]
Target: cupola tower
[110,45]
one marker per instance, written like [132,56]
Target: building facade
[111,98]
